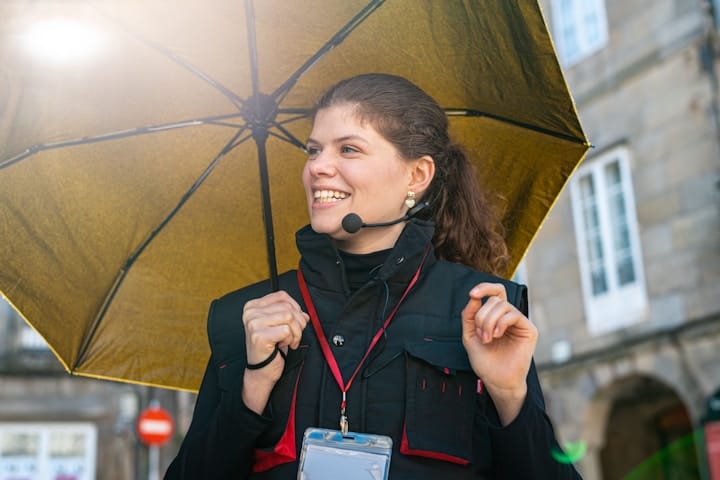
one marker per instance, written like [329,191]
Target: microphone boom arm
[352,222]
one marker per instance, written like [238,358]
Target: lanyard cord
[322,338]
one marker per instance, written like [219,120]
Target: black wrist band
[264,363]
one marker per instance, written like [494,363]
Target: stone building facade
[625,273]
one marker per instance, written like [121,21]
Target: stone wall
[654,90]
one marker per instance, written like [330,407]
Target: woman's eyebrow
[344,138]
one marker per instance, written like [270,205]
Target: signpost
[154,427]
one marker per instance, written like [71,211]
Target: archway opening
[649,434]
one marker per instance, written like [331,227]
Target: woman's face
[351,168]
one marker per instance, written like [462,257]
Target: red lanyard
[325,346]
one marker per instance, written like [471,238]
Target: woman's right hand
[275,319]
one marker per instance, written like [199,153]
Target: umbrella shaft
[260,135]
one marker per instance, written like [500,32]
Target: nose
[321,164]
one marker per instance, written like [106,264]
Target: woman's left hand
[500,342]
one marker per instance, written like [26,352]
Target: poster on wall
[37,451]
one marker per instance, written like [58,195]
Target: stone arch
[630,422]
[662,366]
[667,364]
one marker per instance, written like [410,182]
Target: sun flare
[61,40]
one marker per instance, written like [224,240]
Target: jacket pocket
[440,401]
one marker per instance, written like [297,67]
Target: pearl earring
[410,200]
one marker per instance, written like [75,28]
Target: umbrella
[157,164]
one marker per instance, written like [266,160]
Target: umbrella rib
[238,142]
[463,112]
[141,248]
[336,40]
[252,47]
[226,124]
[457,112]
[229,94]
[214,120]
[287,136]
[298,114]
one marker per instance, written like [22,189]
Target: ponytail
[467,227]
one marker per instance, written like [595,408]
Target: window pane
[566,30]
[617,207]
[595,250]
[580,27]
[621,237]
[571,48]
[599,285]
[612,174]
[587,187]
[593,236]
[591,21]
[625,269]
[619,224]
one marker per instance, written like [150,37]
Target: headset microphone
[352,222]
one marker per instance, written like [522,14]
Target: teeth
[329,195]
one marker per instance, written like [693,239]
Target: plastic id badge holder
[330,455]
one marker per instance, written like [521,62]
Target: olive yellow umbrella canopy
[139,138]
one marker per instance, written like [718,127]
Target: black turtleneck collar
[360,268]
[325,266]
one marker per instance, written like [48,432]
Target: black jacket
[417,385]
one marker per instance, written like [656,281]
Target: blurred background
[624,277]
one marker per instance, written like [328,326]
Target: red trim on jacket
[284,451]
[406,450]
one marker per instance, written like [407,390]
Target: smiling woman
[61,40]
[431,354]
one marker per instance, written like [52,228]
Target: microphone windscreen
[352,222]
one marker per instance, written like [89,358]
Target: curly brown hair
[468,229]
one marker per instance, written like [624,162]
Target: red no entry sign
[155,426]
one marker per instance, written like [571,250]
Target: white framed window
[48,451]
[606,231]
[579,28]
